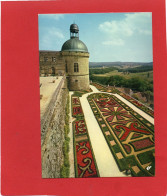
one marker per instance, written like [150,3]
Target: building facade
[72,60]
[51,63]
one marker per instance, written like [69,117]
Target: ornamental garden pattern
[136,103]
[130,137]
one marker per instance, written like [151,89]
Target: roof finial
[74,31]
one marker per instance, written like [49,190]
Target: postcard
[83,98]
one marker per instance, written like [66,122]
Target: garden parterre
[139,105]
[129,136]
[100,87]
[85,163]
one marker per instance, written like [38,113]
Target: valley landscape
[137,77]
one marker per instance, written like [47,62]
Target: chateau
[72,60]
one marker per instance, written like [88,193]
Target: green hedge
[145,157]
[65,169]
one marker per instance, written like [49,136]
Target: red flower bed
[80,127]
[99,87]
[85,162]
[77,110]
[127,148]
[140,144]
[132,128]
[125,96]
[109,107]
[136,135]
[106,103]
[136,103]
[75,101]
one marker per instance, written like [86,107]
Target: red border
[21,166]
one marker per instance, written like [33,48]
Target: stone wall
[52,138]
[78,82]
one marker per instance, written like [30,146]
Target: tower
[76,56]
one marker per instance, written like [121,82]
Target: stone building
[51,63]
[72,60]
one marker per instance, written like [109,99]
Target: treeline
[137,69]
[136,84]
[102,70]
[118,63]
[128,70]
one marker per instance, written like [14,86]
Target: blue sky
[109,36]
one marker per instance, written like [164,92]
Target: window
[53,59]
[53,71]
[45,59]
[66,67]
[76,68]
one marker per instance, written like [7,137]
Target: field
[143,75]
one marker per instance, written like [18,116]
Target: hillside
[119,64]
[144,75]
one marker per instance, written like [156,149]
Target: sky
[109,37]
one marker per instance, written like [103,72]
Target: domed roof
[74,44]
[74,28]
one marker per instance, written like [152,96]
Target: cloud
[114,27]
[116,42]
[140,22]
[132,24]
[52,16]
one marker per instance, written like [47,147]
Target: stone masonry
[52,138]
